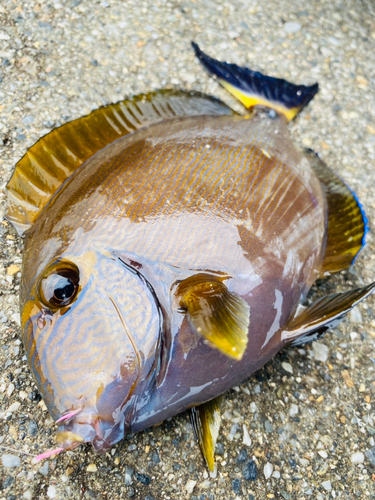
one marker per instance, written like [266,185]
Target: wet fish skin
[169,242]
[130,209]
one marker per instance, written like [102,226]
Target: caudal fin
[252,88]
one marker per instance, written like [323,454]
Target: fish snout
[102,434]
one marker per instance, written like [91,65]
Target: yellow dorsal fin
[57,155]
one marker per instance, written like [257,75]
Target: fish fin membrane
[252,88]
[346,223]
[206,420]
[57,155]
[324,314]
[215,313]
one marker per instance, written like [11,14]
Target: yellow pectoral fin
[220,316]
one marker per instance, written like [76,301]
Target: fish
[170,244]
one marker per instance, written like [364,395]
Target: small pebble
[268,426]
[32,428]
[219,449]
[129,475]
[292,27]
[320,351]
[189,486]
[357,458]
[327,485]
[267,470]
[287,367]
[236,486]
[10,460]
[51,492]
[242,456]
[370,454]
[323,453]
[355,315]
[250,471]
[8,481]
[246,437]
[44,469]
[143,478]
[293,410]
[14,407]
[91,468]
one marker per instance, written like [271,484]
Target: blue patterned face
[93,337]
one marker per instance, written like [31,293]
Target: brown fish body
[169,245]
[225,196]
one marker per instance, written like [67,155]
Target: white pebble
[10,460]
[353,336]
[327,485]
[287,367]
[190,485]
[292,27]
[14,407]
[357,458]
[28,495]
[320,351]
[323,453]
[267,470]
[246,437]
[10,389]
[51,492]
[355,315]
[293,410]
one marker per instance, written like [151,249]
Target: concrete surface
[309,413]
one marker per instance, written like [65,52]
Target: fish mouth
[79,430]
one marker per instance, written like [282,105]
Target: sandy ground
[310,412]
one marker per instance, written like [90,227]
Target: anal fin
[206,420]
[325,313]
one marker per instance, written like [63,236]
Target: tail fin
[251,87]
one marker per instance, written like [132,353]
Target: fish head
[92,332]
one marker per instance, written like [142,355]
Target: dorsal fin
[347,222]
[54,158]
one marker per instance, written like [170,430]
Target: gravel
[10,460]
[58,61]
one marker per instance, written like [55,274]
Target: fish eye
[58,286]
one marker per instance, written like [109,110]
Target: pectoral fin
[206,420]
[324,314]
[215,313]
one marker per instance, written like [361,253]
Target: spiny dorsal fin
[252,88]
[324,314]
[215,313]
[206,420]
[57,155]
[347,222]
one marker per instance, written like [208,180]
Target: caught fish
[169,245]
